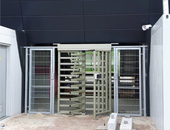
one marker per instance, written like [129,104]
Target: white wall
[13,88]
[166,72]
[159,73]
[156,75]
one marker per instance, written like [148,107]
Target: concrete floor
[65,122]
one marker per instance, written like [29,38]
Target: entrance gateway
[85,79]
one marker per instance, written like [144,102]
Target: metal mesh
[40,84]
[129,82]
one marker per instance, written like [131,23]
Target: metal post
[102,81]
[144,81]
[117,78]
[84,82]
[51,82]
[115,81]
[53,79]
[94,85]
[106,79]
[26,78]
[140,81]
[98,70]
[30,78]
[58,106]
[110,89]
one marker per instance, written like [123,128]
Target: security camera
[146,27]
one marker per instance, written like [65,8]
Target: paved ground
[63,122]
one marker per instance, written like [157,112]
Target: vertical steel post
[98,88]
[94,85]
[30,78]
[26,78]
[58,106]
[115,82]
[110,56]
[53,79]
[144,81]
[106,79]
[140,72]
[102,81]
[117,78]
[84,82]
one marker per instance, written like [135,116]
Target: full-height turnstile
[71,82]
[84,79]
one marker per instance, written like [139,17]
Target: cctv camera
[146,27]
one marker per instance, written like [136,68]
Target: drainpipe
[165,7]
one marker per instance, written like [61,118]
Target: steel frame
[78,70]
[28,54]
[143,47]
[116,100]
[26,79]
[141,83]
[101,57]
[94,87]
[27,58]
[144,81]
[102,87]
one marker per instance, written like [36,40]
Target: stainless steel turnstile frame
[79,102]
[102,92]
[107,107]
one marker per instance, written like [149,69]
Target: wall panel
[115,36]
[13,22]
[123,22]
[55,37]
[96,20]
[51,8]
[54,23]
